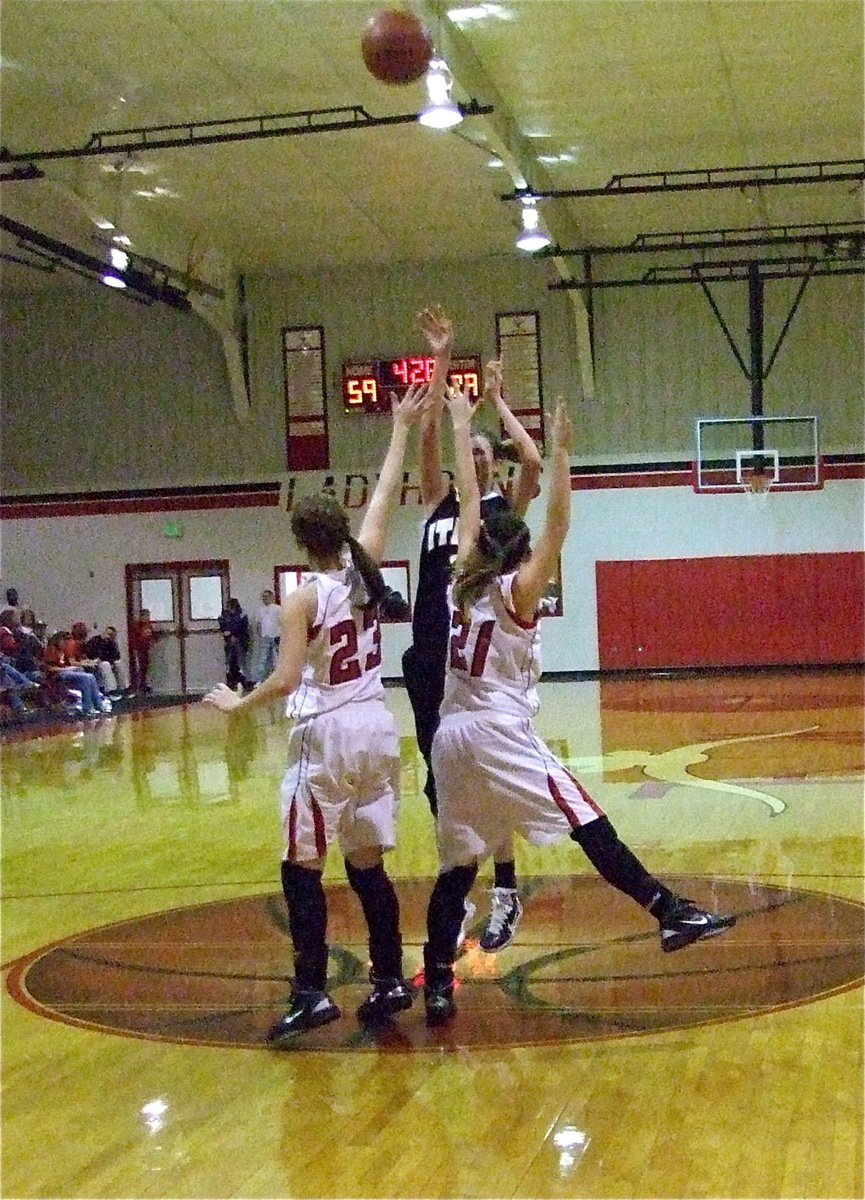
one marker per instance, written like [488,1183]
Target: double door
[184,600]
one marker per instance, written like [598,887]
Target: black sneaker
[684,922]
[387,998]
[439,1004]
[308,1010]
[504,919]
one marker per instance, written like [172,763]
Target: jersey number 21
[459,645]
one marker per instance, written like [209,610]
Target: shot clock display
[366,386]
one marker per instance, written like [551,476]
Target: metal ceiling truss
[720,272]
[146,281]
[846,237]
[840,250]
[710,179]
[235,129]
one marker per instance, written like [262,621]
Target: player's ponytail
[372,589]
[502,544]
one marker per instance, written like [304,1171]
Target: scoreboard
[367,385]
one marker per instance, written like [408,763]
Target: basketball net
[756,487]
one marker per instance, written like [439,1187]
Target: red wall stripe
[136,504]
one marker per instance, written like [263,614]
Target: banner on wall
[353,489]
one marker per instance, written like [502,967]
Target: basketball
[396,47]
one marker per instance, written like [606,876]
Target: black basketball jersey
[430,619]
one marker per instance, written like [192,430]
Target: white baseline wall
[72,568]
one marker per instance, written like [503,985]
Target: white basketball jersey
[343,663]
[494,661]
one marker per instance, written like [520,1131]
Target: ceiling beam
[142,284]
[509,143]
[710,179]
[233,129]
[844,236]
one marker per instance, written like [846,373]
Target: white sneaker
[468,917]
[504,919]
[105,704]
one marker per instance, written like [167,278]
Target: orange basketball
[396,46]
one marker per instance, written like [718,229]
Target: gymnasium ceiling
[581,90]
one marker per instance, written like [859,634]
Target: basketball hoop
[756,472]
[758,483]
[756,486]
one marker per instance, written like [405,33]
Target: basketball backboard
[757,454]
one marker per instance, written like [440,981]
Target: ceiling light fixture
[441,112]
[532,237]
[119,261]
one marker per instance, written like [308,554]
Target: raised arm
[437,328]
[373,529]
[526,487]
[296,617]
[534,575]
[461,410]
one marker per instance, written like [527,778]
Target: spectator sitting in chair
[74,676]
[104,649]
[30,644]
[12,603]
[14,685]
[78,654]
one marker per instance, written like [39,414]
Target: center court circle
[587,965]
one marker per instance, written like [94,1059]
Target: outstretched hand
[461,407]
[223,698]
[493,381]
[437,328]
[414,403]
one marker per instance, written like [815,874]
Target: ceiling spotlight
[441,112]
[532,237]
[113,276]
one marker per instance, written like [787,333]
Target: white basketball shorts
[494,777]
[342,782]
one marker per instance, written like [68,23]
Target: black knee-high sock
[378,899]
[505,874]
[618,865]
[444,918]
[307,924]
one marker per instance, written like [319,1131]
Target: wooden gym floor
[145,953]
